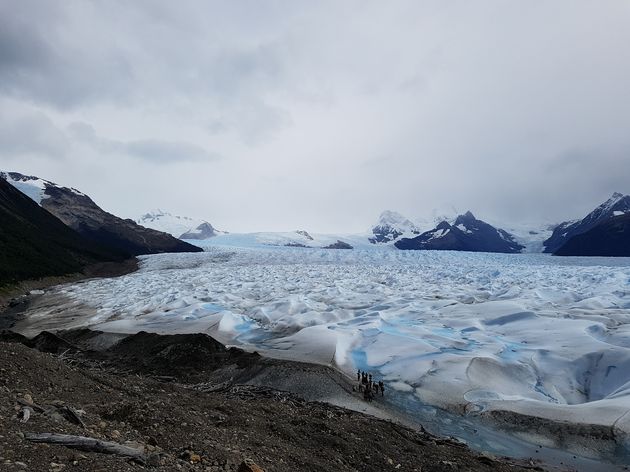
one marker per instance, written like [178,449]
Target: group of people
[369,387]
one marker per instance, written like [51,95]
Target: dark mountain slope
[609,238]
[34,243]
[80,213]
[466,234]
[616,205]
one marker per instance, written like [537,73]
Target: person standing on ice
[358,375]
[382,387]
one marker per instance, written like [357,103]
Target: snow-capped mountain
[617,205]
[35,244]
[182,227]
[391,226]
[610,237]
[80,213]
[34,187]
[428,222]
[467,233]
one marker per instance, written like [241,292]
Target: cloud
[154,151]
[43,63]
[31,133]
[328,112]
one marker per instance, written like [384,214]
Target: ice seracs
[617,205]
[467,233]
[537,341]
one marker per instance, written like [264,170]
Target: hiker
[382,386]
[367,394]
[370,378]
[364,378]
[358,375]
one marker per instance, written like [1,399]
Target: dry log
[87,444]
[72,416]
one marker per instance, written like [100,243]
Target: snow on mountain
[78,211]
[391,226]
[182,227]
[428,222]
[617,205]
[467,233]
[33,187]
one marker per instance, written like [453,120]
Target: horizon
[295,115]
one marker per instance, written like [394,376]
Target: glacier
[528,339]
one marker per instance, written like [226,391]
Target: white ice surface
[531,333]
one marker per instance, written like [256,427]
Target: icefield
[528,339]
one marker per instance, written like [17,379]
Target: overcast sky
[278,115]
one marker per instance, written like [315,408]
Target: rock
[115,434]
[338,245]
[190,456]
[249,465]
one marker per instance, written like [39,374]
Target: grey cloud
[328,111]
[154,151]
[32,133]
[41,62]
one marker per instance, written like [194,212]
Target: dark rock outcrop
[338,245]
[34,243]
[80,213]
[203,231]
[304,233]
[609,238]
[617,205]
[466,234]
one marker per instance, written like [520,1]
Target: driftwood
[87,444]
[72,416]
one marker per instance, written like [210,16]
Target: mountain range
[604,231]
[80,213]
[467,233]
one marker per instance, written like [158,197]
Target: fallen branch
[72,416]
[87,444]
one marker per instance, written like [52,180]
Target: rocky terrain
[79,212]
[148,399]
[35,244]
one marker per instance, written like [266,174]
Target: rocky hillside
[611,237]
[151,421]
[80,213]
[617,205]
[35,244]
[467,233]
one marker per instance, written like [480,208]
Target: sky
[278,115]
